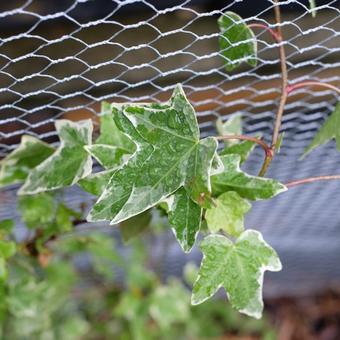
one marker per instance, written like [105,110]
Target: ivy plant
[152,158]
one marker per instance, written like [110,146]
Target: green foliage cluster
[152,159]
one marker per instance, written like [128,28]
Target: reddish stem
[291,88]
[268,151]
[267,28]
[311,180]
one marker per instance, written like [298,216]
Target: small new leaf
[330,129]
[243,149]
[247,186]
[228,214]
[16,166]
[233,126]
[185,217]
[169,155]
[237,41]
[68,164]
[238,268]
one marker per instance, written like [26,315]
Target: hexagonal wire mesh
[59,59]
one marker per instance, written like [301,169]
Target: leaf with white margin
[233,126]
[228,213]
[247,186]
[108,156]
[169,155]
[185,217]
[330,129]
[238,268]
[96,183]
[237,41]
[68,164]
[109,132]
[243,149]
[16,166]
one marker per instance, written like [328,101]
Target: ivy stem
[268,151]
[267,28]
[311,180]
[284,94]
[291,88]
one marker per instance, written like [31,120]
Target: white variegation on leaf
[247,186]
[169,155]
[185,218]
[16,166]
[227,213]
[238,268]
[68,164]
[108,156]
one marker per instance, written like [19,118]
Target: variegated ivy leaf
[243,149]
[108,156]
[169,155]
[68,164]
[247,186]
[233,126]
[237,41]
[228,214]
[330,129]
[96,183]
[110,134]
[16,166]
[238,268]
[185,217]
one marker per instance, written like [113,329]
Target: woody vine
[152,157]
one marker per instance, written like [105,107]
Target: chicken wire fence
[59,59]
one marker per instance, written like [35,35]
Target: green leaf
[37,210]
[169,155]
[64,216]
[238,267]
[96,183]
[135,225]
[68,164]
[312,6]
[6,226]
[279,142]
[108,156]
[247,186]
[243,149]
[185,217]
[16,166]
[237,41]
[3,269]
[228,214]
[7,249]
[170,304]
[110,134]
[233,126]
[330,129]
